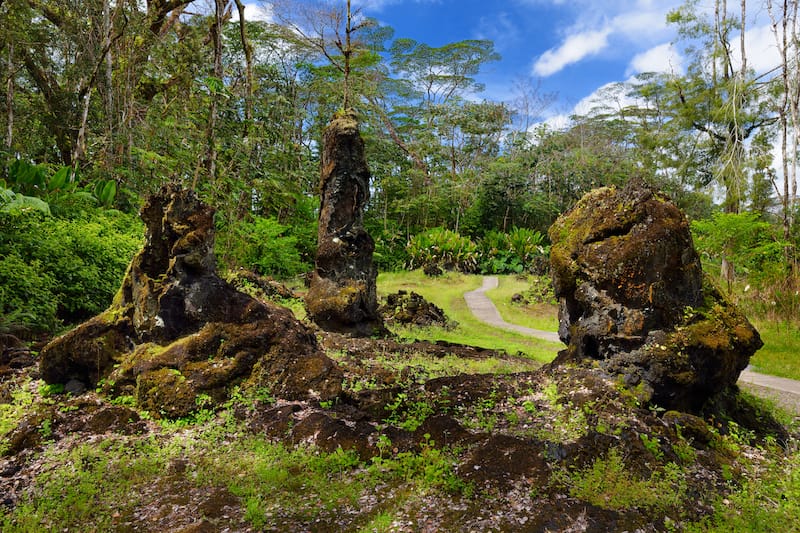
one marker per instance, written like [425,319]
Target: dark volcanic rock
[405,307]
[342,293]
[633,297]
[176,332]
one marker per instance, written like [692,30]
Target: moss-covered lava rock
[177,333]
[633,298]
[342,294]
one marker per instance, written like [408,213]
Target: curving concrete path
[485,311]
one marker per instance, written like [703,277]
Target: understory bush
[265,246]
[390,254]
[55,269]
[748,256]
[511,253]
[517,251]
[444,249]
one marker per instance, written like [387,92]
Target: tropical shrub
[442,248]
[513,252]
[756,251]
[265,246]
[752,245]
[58,188]
[390,247]
[69,268]
[27,301]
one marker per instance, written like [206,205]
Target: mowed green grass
[780,355]
[447,291]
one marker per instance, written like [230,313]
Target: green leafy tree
[719,98]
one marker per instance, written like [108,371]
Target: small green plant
[384,445]
[652,445]
[407,414]
[431,468]
[46,429]
[12,412]
[530,407]
[382,523]
[124,400]
[609,484]
[684,450]
[484,416]
[51,389]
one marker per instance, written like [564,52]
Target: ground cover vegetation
[105,102]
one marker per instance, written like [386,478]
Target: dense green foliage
[55,269]
[267,247]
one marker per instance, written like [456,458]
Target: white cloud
[610,98]
[575,48]
[625,26]
[641,25]
[261,12]
[661,58]
[761,48]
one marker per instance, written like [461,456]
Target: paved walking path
[485,311]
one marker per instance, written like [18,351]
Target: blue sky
[569,47]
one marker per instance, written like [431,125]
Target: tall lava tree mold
[342,293]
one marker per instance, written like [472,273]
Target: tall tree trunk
[211,132]
[781,38]
[79,148]
[10,98]
[791,8]
[347,52]
[741,40]
[248,61]
[108,93]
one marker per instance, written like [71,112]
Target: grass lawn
[447,291]
[780,355]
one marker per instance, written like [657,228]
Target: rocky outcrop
[634,300]
[342,293]
[411,309]
[177,333]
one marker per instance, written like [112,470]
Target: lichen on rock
[176,331]
[634,300]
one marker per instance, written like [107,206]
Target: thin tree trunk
[109,72]
[787,114]
[80,140]
[794,103]
[741,40]
[347,52]
[10,99]
[248,60]
[211,132]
